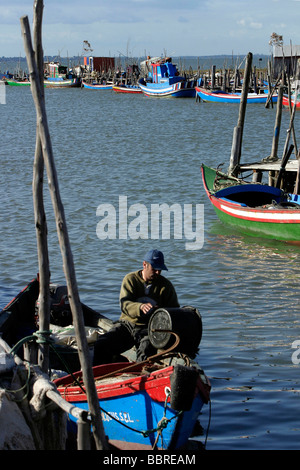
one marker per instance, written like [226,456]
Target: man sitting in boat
[141,292]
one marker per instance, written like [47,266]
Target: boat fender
[183,385]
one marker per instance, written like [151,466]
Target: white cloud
[194,27]
[255,25]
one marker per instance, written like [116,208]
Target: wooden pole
[291,107]
[291,126]
[213,77]
[64,242]
[39,212]
[284,161]
[238,130]
[274,151]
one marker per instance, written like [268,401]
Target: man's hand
[145,308]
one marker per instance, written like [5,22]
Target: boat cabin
[164,72]
[55,70]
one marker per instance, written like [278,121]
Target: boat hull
[137,410]
[208,96]
[277,222]
[68,83]
[177,90]
[285,102]
[96,86]
[129,89]
[17,82]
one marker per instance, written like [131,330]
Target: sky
[135,28]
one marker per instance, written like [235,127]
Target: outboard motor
[60,311]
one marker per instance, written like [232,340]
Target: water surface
[150,150]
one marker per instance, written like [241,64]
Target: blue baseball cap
[156,259]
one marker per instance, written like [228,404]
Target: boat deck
[292,165]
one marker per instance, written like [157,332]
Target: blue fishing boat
[152,404]
[164,80]
[222,97]
[143,406]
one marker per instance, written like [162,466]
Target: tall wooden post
[64,242]
[213,77]
[39,212]
[238,130]
[274,151]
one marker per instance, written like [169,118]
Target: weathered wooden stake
[274,151]
[238,130]
[68,264]
[284,161]
[39,212]
[213,77]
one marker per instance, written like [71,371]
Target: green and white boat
[14,82]
[254,209]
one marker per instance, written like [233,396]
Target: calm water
[150,151]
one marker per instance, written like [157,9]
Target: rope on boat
[43,337]
[40,337]
[12,392]
[161,425]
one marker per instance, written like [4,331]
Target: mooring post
[274,151]
[238,130]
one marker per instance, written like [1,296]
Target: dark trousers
[123,336]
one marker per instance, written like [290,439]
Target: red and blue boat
[154,404]
[148,405]
[143,406]
[163,80]
[254,209]
[222,97]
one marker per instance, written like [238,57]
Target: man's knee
[145,349]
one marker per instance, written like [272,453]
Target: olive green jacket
[132,291]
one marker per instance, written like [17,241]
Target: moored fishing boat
[19,319]
[15,82]
[58,76]
[131,89]
[285,101]
[62,82]
[163,80]
[97,86]
[146,405]
[252,208]
[143,406]
[222,97]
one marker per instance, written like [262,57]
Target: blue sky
[139,27]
